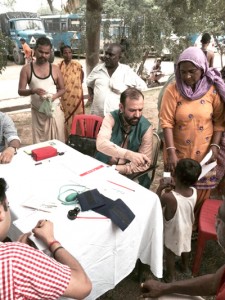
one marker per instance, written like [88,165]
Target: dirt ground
[128,289]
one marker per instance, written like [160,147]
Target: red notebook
[43,153]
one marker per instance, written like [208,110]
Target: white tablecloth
[107,253]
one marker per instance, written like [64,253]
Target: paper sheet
[28,224]
[207,168]
[43,205]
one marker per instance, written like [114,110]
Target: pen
[100,218]
[121,186]
[61,153]
[92,170]
[40,163]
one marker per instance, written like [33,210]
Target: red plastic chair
[206,229]
[86,125]
[84,132]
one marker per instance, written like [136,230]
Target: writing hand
[44,231]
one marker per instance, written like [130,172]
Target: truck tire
[18,57]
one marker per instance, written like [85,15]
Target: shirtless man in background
[206,38]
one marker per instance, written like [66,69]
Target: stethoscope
[124,131]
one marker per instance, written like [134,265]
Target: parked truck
[17,25]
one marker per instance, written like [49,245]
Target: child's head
[206,38]
[158,61]
[187,171]
[22,41]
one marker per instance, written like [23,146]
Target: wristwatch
[15,149]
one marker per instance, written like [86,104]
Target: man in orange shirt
[27,51]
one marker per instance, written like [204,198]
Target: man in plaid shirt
[27,273]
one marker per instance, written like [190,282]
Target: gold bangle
[170,148]
[215,146]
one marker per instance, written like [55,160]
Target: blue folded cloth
[117,210]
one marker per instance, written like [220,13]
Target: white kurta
[178,230]
[107,89]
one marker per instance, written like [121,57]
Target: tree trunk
[50,3]
[141,67]
[93,24]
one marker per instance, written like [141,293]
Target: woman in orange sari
[72,101]
[192,117]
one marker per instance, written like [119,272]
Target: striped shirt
[27,273]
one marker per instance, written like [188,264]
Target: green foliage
[145,22]
[213,17]
[190,16]
[182,14]
[151,23]
[5,43]
[149,20]
[181,17]
[8,4]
